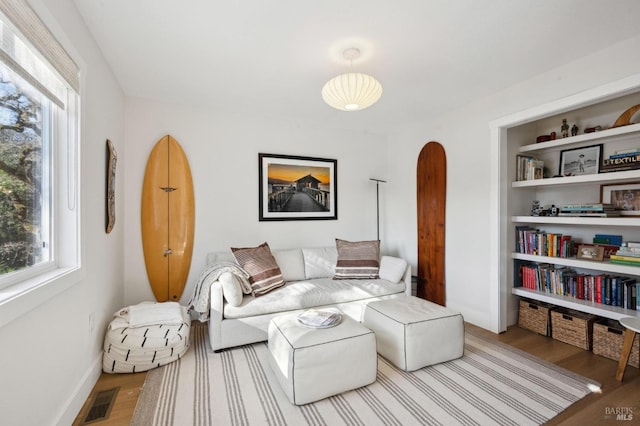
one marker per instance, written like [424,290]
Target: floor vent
[101,406]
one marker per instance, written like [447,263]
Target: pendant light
[352,91]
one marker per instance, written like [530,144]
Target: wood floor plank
[129,390]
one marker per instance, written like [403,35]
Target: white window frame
[24,290]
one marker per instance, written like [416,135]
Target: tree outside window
[23,192]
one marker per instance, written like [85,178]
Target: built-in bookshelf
[517,196]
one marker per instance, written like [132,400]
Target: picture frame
[607,249]
[110,190]
[580,161]
[624,197]
[297,188]
[590,252]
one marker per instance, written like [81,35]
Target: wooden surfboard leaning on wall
[431,199]
[167,219]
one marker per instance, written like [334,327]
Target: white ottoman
[413,333]
[312,364]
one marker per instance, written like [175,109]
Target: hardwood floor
[595,409]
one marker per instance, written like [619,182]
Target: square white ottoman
[413,333]
[312,364]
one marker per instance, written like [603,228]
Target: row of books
[542,243]
[589,210]
[621,161]
[605,289]
[529,168]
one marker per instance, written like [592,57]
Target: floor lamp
[377,181]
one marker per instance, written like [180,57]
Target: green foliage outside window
[21,157]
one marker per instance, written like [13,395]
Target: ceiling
[273,57]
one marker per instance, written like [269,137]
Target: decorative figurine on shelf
[564,128]
[536,208]
[574,130]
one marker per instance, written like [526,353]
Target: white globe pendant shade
[352,91]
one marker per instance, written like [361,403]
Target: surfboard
[431,199]
[167,219]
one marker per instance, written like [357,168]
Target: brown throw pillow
[357,260]
[264,273]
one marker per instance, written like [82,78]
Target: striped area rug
[491,384]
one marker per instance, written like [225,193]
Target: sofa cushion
[319,262]
[357,260]
[312,293]
[264,273]
[291,264]
[392,268]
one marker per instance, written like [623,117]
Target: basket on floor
[607,341]
[534,316]
[572,327]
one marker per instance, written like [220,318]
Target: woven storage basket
[572,327]
[607,341]
[534,316]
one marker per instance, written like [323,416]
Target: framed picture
[580,161]
[110,190]
[623,196]
[589,252]
[297,188]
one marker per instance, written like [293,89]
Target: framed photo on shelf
[297,188]
[623,196]
[580,161]
[589,252]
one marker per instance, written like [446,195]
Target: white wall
[223,154]
[50,357]
[465,136]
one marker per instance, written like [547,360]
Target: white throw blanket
[148,313]
[199,301]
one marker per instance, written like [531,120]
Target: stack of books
[589,210]
[621,160]
[529,168]
[627,254]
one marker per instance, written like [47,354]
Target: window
[25,165]
[39,206]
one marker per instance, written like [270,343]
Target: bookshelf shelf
[613,177]
[592,265]
[604,136]
[581,221]
[606,311]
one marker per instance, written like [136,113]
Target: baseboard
[77,399]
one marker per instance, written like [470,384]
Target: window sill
[20,298]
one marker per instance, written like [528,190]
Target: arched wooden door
[431,199]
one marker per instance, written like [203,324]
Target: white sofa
[308,273]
